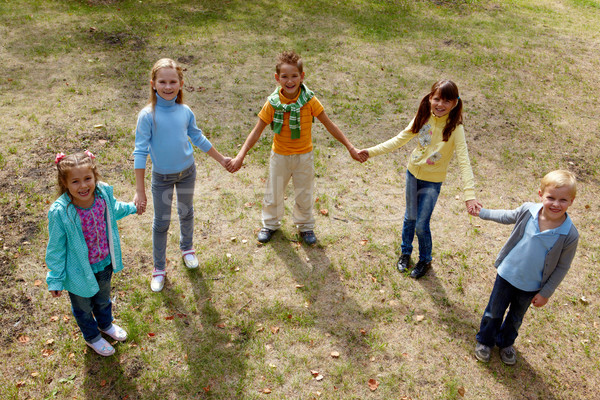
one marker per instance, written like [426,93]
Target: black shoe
[308,237]
[420,269]
[265,235]
[403,263]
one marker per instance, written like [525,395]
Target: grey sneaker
[508,355]
[483,352]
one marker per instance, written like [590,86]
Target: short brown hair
[558,179]
[288,57]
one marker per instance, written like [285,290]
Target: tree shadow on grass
[521,379]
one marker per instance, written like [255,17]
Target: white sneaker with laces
[190,259]
[102,347]
[116,332]
[158,280]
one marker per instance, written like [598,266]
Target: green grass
[256,317]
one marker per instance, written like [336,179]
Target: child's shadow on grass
[105,377]
[214,358]
[335,312]
[464,324]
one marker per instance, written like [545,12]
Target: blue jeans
[492,330]
[162,193]
[421,197]
[94,313]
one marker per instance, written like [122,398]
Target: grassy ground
[256,321]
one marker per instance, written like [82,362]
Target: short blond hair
[558,179]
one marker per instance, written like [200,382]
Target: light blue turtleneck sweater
[164,136]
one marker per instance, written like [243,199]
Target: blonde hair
[558,179]
[165,63]
[67,163]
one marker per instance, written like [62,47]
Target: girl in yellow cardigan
[438,126]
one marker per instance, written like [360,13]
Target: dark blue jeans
[421,197]
[94,313]
[492,330]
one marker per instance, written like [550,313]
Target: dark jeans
[421,197]
[492,330]
[94,313]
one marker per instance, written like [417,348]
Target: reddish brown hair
[288,57]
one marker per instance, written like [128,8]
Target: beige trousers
[300,168]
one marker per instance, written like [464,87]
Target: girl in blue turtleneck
[164,130]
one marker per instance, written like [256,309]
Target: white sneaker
[102,347]
[158,280]
[116,332]
[190,259]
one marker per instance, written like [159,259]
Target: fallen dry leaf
[335,354]
[23,339]
[37,282]
[20,383]
[363,242]
[66,318]
[103,382]
[170,317]
[54,318]
[461,391]
[319,377]
[420,318]
[373,385]
[266,390]
[49,341]
[47,352]
[151,334]
[35,374]
[363,332]
[314,373]
[275,329]
[324,211]
[299,286]
[221,325]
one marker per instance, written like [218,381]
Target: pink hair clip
[59,156]
[89,154]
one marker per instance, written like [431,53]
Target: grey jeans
[162,194]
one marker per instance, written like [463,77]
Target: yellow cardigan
[430,159]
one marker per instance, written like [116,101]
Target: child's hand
[539,301]
[363,155]
[225,162]
[56,293]
[140,202]
[236,164]
[473,207]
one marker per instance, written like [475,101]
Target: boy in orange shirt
[290,111]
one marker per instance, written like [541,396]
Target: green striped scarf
[294,109]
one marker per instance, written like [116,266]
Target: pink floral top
[93,222]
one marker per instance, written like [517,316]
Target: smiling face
[167,83]
[440,106]
[81,183]
[289,78]
[555,201]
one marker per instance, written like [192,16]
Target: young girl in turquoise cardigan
[165,128]
[84,248]
[438,126]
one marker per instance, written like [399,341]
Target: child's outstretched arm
[251,140]
[333,129]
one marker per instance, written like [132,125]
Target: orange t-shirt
[282,142]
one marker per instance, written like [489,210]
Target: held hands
[363,155]
[539,301]
[235,164]
[473,207]
[360,156]
[140,202]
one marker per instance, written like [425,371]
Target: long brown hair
[447,91]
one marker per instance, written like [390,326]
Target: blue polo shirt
[524,265]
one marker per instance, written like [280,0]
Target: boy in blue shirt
[532,263]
